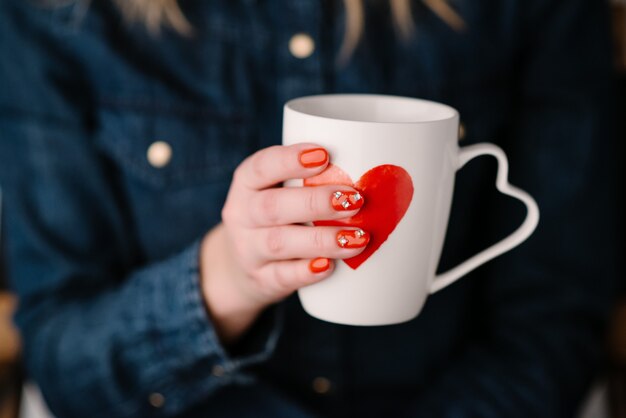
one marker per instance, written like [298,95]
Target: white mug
[402,154]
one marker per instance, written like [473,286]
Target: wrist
[231,312]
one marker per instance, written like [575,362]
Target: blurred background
[607,399]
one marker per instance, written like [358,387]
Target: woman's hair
[155,14]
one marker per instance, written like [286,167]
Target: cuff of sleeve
[187,361]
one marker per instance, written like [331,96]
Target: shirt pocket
[194,149]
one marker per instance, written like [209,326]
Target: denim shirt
[102,245]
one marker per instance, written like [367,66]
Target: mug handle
[502,184]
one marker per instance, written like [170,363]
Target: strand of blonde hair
[355,18]
[155,14]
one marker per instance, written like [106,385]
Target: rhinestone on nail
[357,196]
[345,204]
[338,194]
[342,240]
[359,233]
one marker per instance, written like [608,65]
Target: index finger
[273,165]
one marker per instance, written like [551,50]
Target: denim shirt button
[218,371]
[321,385]
[301,45]
[159,154]
[156,400]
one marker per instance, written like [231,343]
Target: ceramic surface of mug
[403,155]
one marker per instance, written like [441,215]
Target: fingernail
[352,238]
[315,157]
[346,200]
[319,265]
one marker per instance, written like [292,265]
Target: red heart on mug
[387,189]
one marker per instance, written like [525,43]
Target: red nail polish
[319,265]
[346,200]
[352,238]
[315,157]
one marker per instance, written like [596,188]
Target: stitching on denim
[192,309]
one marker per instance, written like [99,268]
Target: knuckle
[287,279]
[318,239]
[310,201]
[281,278]
[268,207]
[256,165]
[238,174]
[233,215]
[285,164]
[304,276]
[256,275]
[264,283]
[258,161]
[274,241]
[273,149]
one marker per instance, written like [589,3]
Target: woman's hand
[261,253]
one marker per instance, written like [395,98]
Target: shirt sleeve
[546,303]
[106,335]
